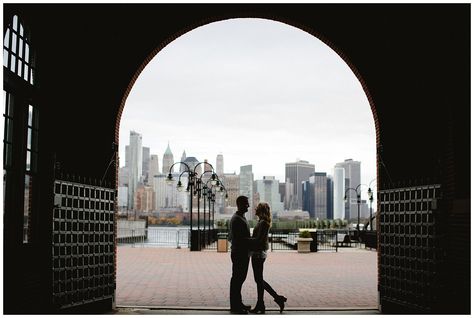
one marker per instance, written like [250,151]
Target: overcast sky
[259,92]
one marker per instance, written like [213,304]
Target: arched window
[20,142]
[17,54]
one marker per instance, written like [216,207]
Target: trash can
[222,243]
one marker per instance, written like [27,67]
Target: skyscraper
[183,158]
[127,155]
[232,185]
[135,169]
[296,173]
[145,163]
[167,160]
[330,197]
[154,168]
[246,185]
[268,190]
[352,175]
[192,163]
[339,188]
[220,165]
[319,179]
[315,196]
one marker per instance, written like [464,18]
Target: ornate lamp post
[370,193]
[357,191]
[189,188]
[194,188]
[212,190]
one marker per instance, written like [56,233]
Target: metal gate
[411,256]
[83,243]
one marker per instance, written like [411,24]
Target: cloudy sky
[259,92]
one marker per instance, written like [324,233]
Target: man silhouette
[239,234]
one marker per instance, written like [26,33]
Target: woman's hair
[263,209]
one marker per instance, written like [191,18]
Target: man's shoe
[246,307]
[240,311]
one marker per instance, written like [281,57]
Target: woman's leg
[257,266]
[267,286]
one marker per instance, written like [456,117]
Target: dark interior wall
[412,60]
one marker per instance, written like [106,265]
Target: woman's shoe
[258,309]
[280,300]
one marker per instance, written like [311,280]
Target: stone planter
[304,244]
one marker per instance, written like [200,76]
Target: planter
[304,244]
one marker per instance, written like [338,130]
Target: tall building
[246,186]
[144,199]
[289,197]
[159,186]
[330,197]
[127,155]
[315,196]
[183,158]
[352,175]
[339,188]
[319,179]
[123,177]
[296,173]
[168,160]
[232,185]
[281,189]
[135,166]
[145,164]
[268,191]
[192,163]
[122,198]
[220,165]
[154,168]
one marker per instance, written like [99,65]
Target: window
[17,55]
[20,142]
[30,168]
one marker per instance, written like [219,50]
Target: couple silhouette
[245,248]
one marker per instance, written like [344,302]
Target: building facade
[154,168]
[268,191]
[352,176]
[168,160]
[295,174]
[220,165]
[145,164]
[330,197]
[339,188]
[135,166]
[246,186]
[232,185]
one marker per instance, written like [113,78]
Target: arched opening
[200,109]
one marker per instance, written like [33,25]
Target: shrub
[305,234]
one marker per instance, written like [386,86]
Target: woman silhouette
[259,247]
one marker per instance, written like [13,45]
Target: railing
[282,240]
[279,240]
[153,237]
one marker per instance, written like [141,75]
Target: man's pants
[240,267]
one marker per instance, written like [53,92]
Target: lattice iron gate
[83,244]
[411,253]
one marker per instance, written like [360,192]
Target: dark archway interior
[413,59]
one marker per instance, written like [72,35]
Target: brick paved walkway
[168,277]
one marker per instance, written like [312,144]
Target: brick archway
[281,19]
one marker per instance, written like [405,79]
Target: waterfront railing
[279,239]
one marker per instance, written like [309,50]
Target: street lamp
[191,177]
[371,199]
[194,188]
[357,191]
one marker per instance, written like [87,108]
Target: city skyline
[270,101]
[290,202]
